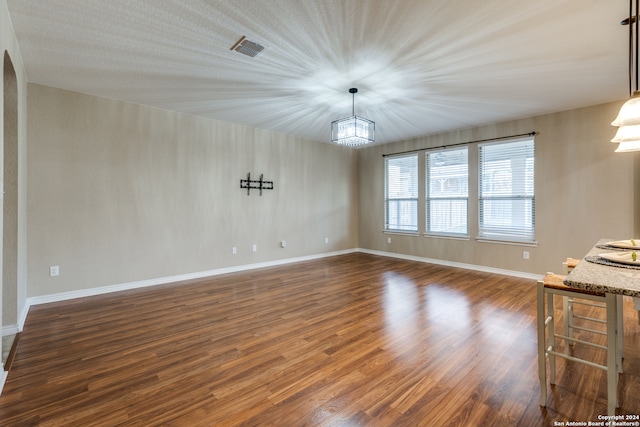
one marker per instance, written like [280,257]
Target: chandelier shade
[628,119]
[629,114]
[627,146]
[353,131]
[627,134]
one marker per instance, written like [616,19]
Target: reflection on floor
[7,342]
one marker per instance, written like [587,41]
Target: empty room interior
[319,212]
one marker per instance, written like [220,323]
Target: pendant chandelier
[353,131]
[628,120]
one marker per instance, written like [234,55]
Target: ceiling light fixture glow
[353,131]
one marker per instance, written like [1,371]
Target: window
[401,193]
[506,191]
[447,191]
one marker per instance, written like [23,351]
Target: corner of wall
[3,377]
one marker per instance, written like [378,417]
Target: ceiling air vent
[247,47]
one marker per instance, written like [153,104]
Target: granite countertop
[597,277]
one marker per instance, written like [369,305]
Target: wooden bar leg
[542,358]
[620,330]
[612,357]
[567,324]
[551,337]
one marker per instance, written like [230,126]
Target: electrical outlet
[326,240]
[283,244]
[234,250]
[525,255]
[388,239]
[54,270]
[255,248]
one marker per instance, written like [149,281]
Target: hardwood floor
[353,340]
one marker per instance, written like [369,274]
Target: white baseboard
[22,316]
[16,328]
[10,330]
[63,296]
[455,264]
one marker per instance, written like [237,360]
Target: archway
[10,203]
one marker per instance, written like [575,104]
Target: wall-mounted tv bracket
[259,184]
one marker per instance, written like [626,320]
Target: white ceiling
[421,66]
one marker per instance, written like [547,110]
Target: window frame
[411,202]
[430,198]
[522,201]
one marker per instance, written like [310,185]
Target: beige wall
[119,193]
[584,192]
[13,136]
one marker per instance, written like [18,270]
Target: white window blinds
[447,198]
[401,193]
[506,190]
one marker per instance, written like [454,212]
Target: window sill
[442,236]
[400,232]
[506,242]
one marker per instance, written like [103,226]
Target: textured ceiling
[421,66]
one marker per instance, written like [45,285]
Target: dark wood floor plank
[349,340]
